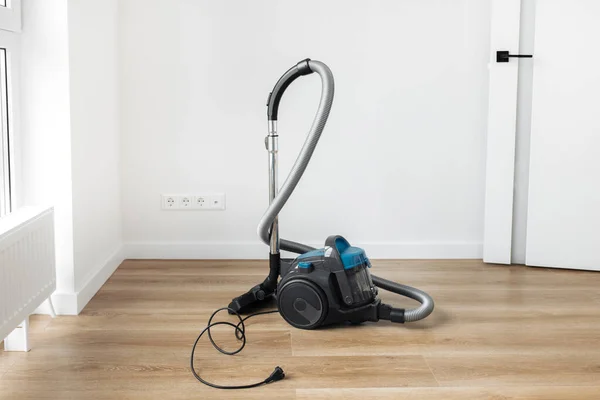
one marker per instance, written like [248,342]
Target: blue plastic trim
[341,244]
[353,257]
[313,253]
[304,264]
[350,256]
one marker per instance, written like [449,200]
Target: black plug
[277,375]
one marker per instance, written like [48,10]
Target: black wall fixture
[503,56]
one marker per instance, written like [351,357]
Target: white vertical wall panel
[502,115]
[523,132]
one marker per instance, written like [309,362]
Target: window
[10,25]
[10,15]
[5,146]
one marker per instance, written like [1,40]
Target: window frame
[10,16]
[9,138]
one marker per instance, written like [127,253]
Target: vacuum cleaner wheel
[302,304]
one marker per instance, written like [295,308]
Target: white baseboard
[196,250]
[65,303]
[96,280]
[257,250]
[73,303]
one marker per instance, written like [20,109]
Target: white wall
[400,167]
[95,135]
[70,137]
[45,126]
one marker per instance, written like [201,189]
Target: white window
[10,26]
[10,15]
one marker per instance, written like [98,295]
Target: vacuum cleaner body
[321,286]
[328,286]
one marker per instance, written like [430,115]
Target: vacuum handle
[302,68]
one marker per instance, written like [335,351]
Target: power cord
[240,334]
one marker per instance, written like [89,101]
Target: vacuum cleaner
[323,286]
[319,287]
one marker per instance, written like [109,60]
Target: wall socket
[198,202]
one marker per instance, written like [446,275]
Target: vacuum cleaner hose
[296,173]
[301,162]
[410,315]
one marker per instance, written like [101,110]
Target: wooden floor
[497,333]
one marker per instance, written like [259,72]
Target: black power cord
[240,334]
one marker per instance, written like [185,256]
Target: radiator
[27,264]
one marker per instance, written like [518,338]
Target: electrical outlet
[185,202]
[217,201]
[202,202]
[214,201]
[169,202]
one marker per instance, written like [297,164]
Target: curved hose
[413,314]
[293,178]
[302,161]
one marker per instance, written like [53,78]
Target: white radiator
[27,264]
